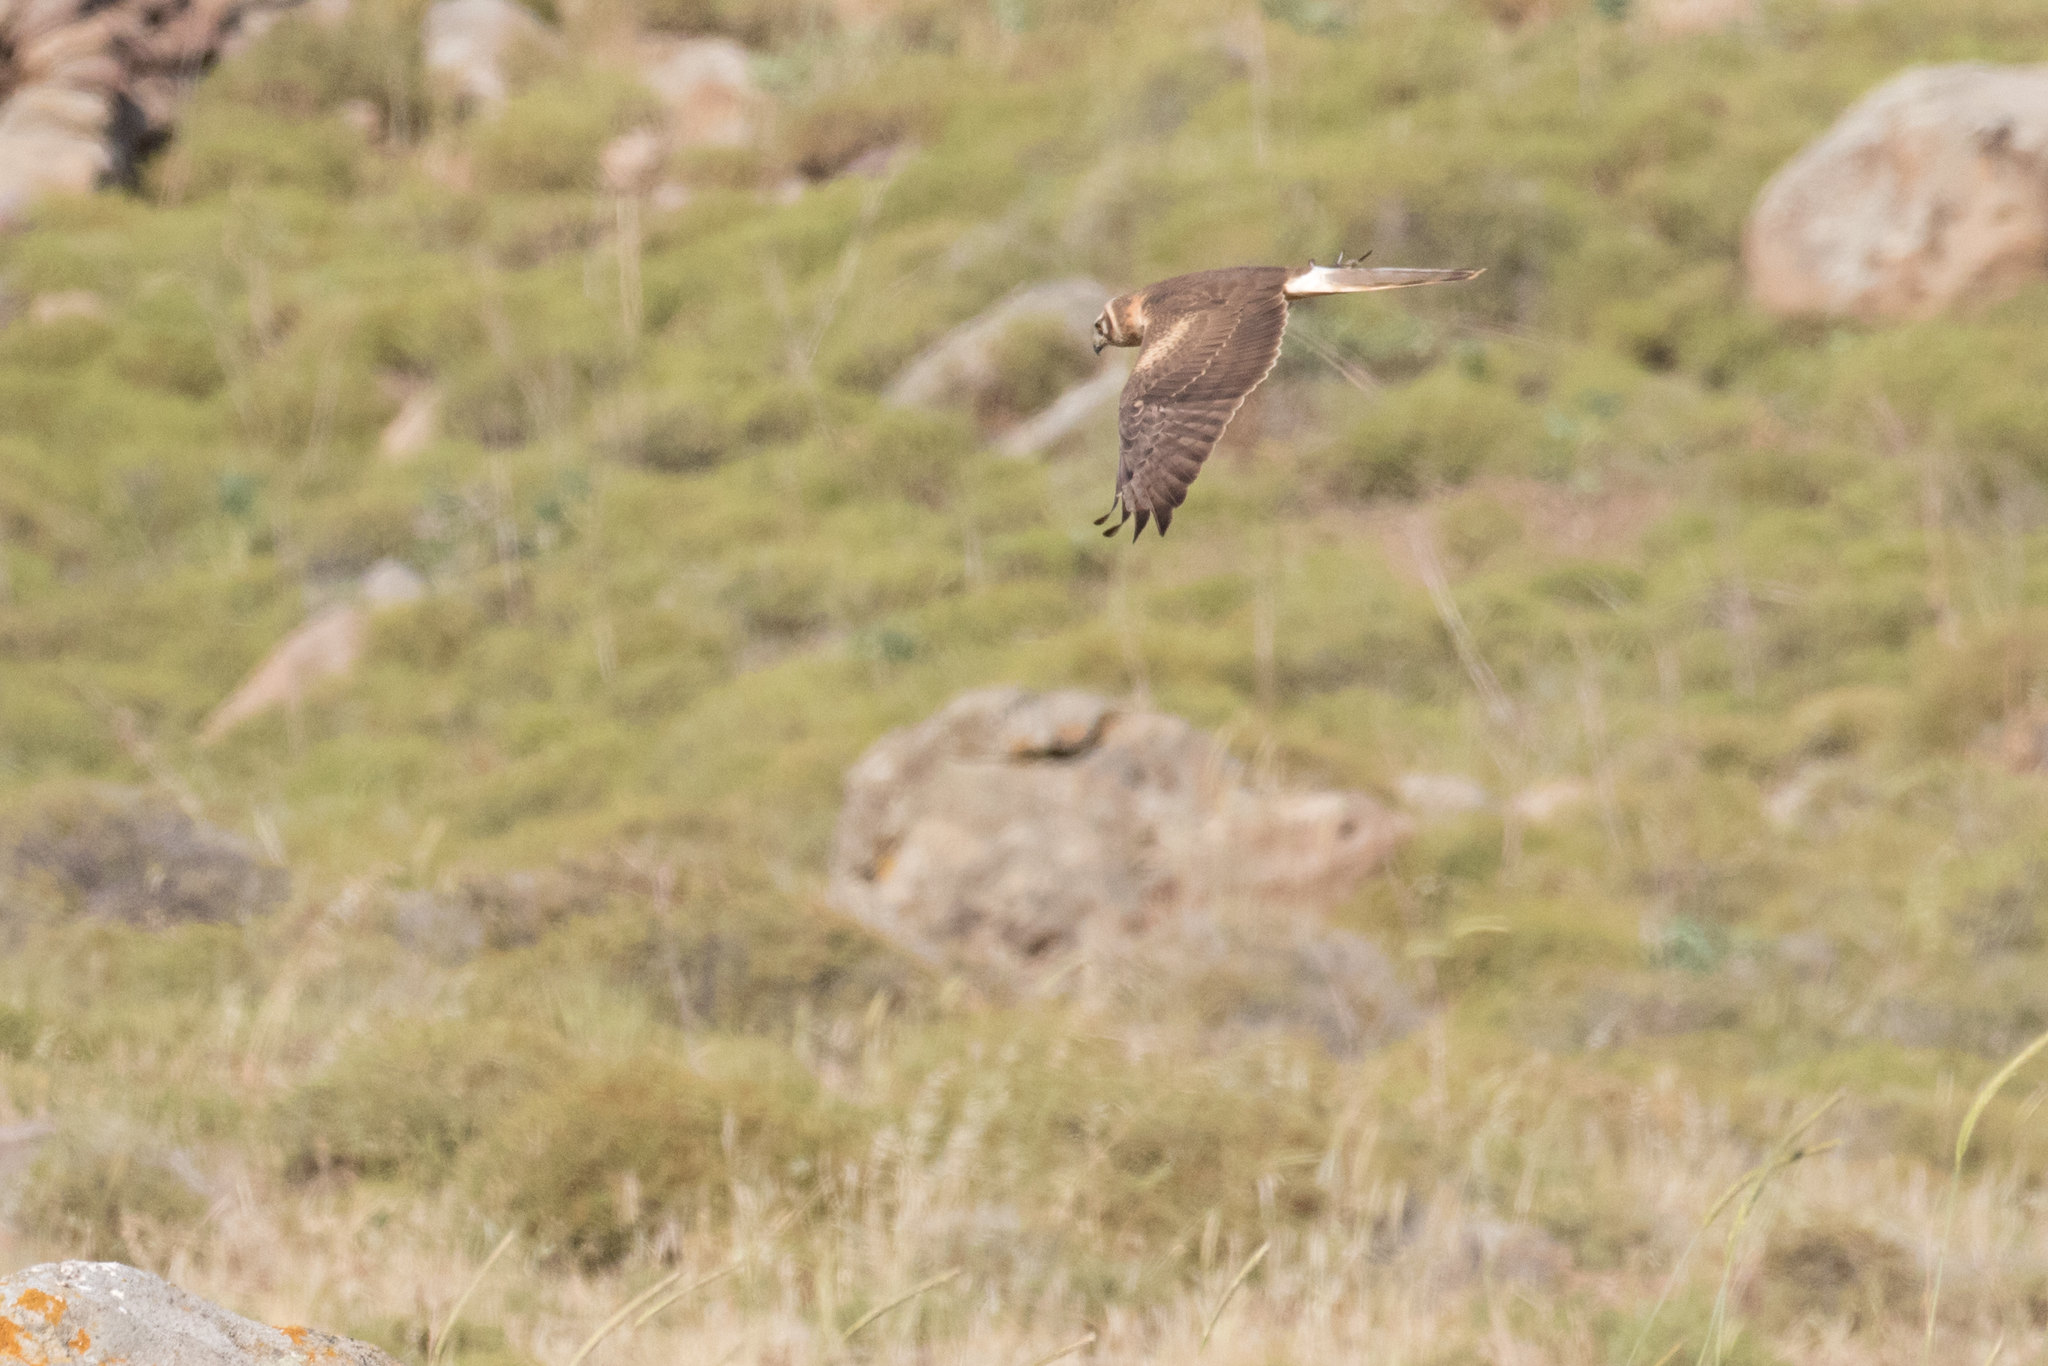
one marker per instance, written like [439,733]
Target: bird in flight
[1206,341]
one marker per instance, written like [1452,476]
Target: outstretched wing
[1205,351]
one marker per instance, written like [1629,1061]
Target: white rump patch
[1361,279]
[1314,280]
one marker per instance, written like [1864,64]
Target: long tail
[1358,279]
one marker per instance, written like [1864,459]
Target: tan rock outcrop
[87,87]
[1031,840]
[327,645]
[1929,192]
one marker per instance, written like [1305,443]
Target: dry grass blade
[1354,374]
[439,1342]
[1985,1095]
[1785,1154]
[620,1315]
[1251,1263]
[1087,1341]
[1422,546]
[685,1292]
[1989,1091]
[1750,1184]
[905,1298]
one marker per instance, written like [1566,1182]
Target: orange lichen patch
[297,1334]
[81,1342]
[12,1340]
[49,1306]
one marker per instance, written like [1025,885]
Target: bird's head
[1122,323]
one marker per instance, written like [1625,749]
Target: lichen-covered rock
[105,1313]
[1061,841]
[1930,191]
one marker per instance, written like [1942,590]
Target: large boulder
[104,1313]
[1930,191]
[1058,841]
[89,86]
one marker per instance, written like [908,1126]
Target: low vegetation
[534,938]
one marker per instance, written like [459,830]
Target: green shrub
[169,343]
[547,138]
[404,1102]
[757,23]
[601,1159]
[19,1032]
[108,1199]
[1435,433]
[1035,361]
[829,135]
[219,147]
[781,592]
[672,436]
[1956,694]
[303,67]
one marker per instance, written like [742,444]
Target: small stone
[1545,802]
[66,303]
[468,43]
[416,424]
[630,161]
[1442,794]
[392,583]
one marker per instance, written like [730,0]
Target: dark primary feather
[1210,338]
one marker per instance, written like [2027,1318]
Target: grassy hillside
[555,957]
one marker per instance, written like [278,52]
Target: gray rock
[1930,191]
[1059,841]
[468,43]
[392,583]
[103,1313]
[961,365]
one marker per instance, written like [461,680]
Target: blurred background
[477,477]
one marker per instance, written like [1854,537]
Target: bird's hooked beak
[1099,343]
